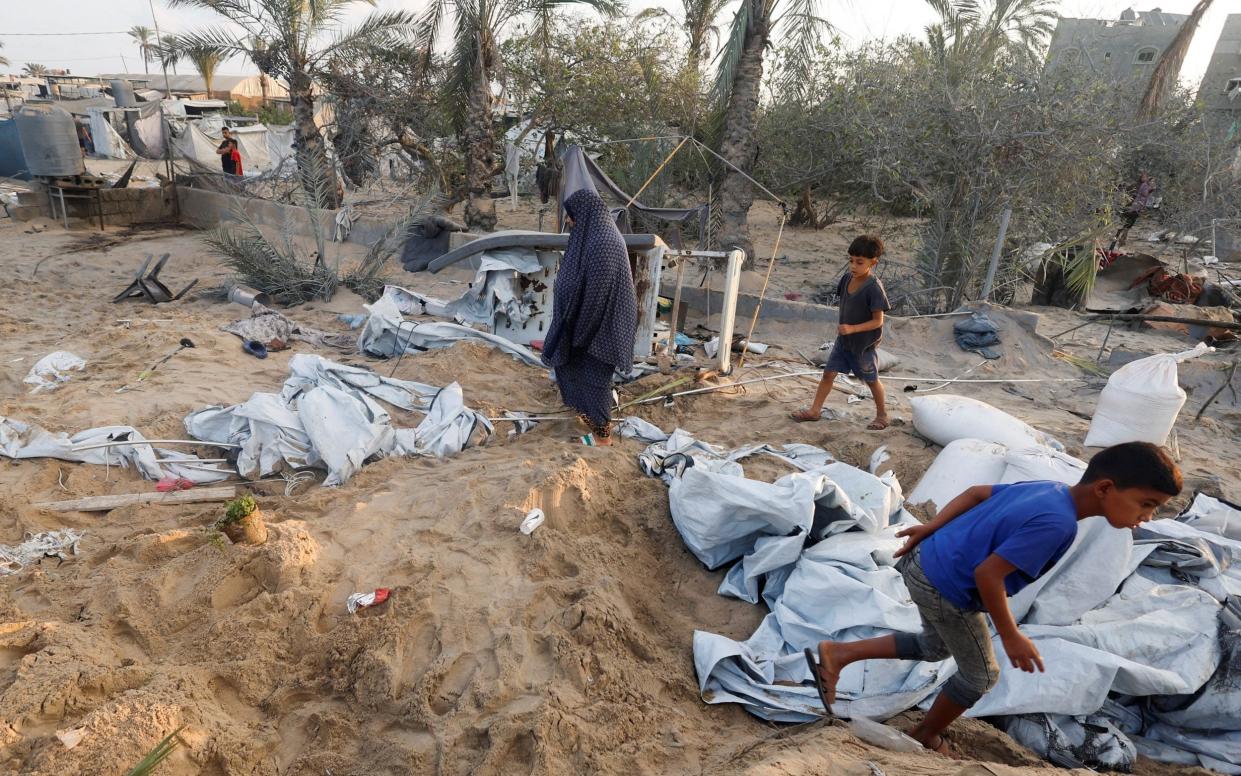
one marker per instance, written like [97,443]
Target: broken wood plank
[105,503]
[1209,324]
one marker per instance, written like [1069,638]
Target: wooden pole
[728,313]
[1169,319]
[106,503]
[995,253]
[676,305]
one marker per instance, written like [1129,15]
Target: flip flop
[255,348]
[818,683]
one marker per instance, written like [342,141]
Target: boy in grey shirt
[862,305]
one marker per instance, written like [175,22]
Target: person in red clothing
[234,153]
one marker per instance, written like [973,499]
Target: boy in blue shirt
[862,305]
[985,545]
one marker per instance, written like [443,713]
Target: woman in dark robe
[594,312]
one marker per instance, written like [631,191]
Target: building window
[1233,85]
[1146,56]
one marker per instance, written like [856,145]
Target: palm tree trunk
[739,143]
[1165,74]
[479,145]
[146,58]
[311,152]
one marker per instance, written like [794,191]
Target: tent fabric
[387,334]
[20,440]
[580,171]
[332,416]
[1148,621]
[108,143]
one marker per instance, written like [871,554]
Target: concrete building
[1220,92]
[246,89]
[1126,48]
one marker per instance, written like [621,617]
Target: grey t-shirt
[860,307]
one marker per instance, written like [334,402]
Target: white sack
[1141,401]
[962,464]
[49,372]
[946,418]
[1041,463]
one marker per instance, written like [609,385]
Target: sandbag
[1141,401]
[947,418]
[962,464]
[1041,463]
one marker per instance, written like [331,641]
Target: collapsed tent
[387,334]
[329,415]
[1137,625]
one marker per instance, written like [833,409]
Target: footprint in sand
[454,684]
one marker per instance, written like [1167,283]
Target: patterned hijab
[595,307]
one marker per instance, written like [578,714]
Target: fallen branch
[1232,370]
[106,503]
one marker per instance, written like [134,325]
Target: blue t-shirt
[1028,524]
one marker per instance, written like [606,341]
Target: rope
[763,293]
[658,170]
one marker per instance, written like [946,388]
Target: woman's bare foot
[805,416]
[878,424]
[939,745]
[829,670]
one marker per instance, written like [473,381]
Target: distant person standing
[85,141]
[235,155]
[225,150]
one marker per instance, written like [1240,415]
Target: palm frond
[427,28]
[1169,68]
[146,765]
[384,29]
[730,54]
[802,29]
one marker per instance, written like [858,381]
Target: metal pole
[995,253]
[728,313]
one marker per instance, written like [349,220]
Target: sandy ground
[568,651]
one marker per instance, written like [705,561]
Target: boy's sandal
[805,416]
[818,682]
[877,425]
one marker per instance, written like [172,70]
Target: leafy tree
[205,60]
[286,39]
[34,70]
[474,64]
[169,52]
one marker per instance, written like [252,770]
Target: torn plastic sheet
[1214,515]
[387,334]
[1070,742]
[493,292]
[49,372]
[20,440]
[330,416]
[1109,619]
[34,547]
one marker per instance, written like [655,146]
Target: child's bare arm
[989,577]
[875,322]
[963,503]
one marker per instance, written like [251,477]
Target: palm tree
[970,36]
[34,70]
[475,63]
[698,22]
[1169,66]
[205,60]
[736,94]
[169,52]
[294,50]
[142,35]
[3,62]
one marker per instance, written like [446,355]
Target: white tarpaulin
[494,292]
[330,416]
[387,334]
[1114,618]
[22,440]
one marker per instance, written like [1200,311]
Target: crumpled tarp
[35,547]
[978,334]
[268,326]
[20,440]
[329,415]
[1114,619]
[494,292]
[49,372]
[386,333]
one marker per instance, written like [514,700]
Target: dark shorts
[864,365]
[1129,218]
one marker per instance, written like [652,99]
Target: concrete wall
[1225,65]
[1111,47]
[121,207]
[208,209]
